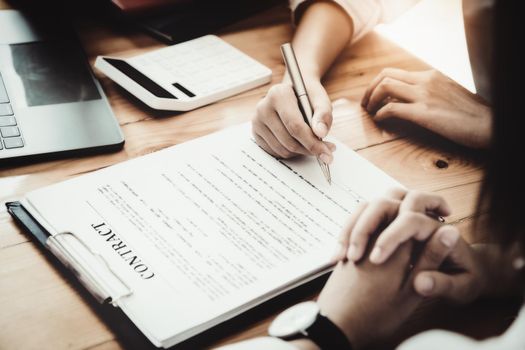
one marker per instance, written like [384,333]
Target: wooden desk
[40,309]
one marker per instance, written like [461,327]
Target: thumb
[322,118]
[437,284]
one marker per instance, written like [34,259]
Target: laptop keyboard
[10,136]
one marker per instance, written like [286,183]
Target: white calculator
[188,75]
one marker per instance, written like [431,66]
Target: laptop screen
[53,72]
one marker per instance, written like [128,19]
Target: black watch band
[325,334]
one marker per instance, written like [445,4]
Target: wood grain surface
[42,310]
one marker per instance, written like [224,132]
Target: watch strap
[327,335]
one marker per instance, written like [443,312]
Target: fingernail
[352,252]
[376,255]
[426,284]
[449,238]
[325,158]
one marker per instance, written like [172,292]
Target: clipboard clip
[90,267]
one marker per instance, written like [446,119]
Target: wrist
[345,323]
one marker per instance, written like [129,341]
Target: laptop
[50,102]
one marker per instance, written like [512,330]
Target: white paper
[209,226]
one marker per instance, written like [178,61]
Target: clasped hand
[369,295]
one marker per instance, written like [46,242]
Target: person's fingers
[293,121]
[390,89]
[260,141]
[375,214]
[344,237]
[425,203]
[406,225]
[457,287]
[331,145]
[407,111]
[322,109]
[277,150]
[396,193]
[276,126]
[322,119]
[437,249]
[398,74]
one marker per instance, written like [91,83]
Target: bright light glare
[433,31]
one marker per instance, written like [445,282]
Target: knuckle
[387,84]
[288,154]
[270,96]
[388,110]
[414,196]
[282,153]
[377,203]
[274,89]
[260,111]
[294,147]
[383,202]
[396,193]
[386,71]
[317,148]
[410,218]
[277,91]
[294,127]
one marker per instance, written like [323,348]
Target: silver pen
[302,97]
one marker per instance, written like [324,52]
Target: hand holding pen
[279,127]
[302,97]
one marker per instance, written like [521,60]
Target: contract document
[190,236]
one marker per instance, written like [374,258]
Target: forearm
[322,33]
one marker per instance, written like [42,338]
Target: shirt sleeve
[366,14]
[263,343]
[512,339]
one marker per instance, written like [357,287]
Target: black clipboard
[127,333]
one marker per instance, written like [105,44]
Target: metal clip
[83,273]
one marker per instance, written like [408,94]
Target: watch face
[294,320]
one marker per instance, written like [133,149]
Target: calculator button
[1,147]
[7,121]
[3,92]
[10,131]
[5,109]
[13,142]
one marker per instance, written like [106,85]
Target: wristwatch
[305,320]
